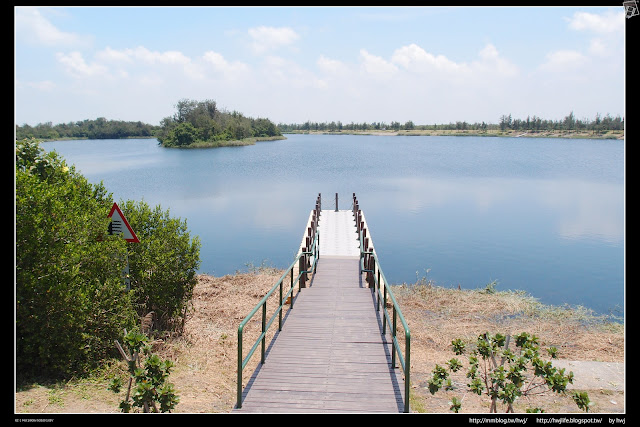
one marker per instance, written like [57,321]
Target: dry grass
[207,374]
[438,315]
[205,356]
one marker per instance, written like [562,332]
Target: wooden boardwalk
[330,355]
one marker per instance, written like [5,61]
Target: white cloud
[44,85]
[564,60]
[376,65]
[142,57]
[234,70]
[32,27]
[155,57]
[492,62]
[607,30]
[599,47]
[112,55]
[606,23]
[415,58]
[280,71]
[331,66]
[265,39]
[75,65]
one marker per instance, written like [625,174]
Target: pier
[337,349]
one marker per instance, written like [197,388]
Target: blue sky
[293,64]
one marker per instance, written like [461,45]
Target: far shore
[612,134]
[201,144]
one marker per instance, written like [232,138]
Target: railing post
[407,370]
[316,251]
[291,276]
[303,276]
[372,267]
[264,331]
[378,292]
[384,307]
[280,314]
[307,257]
[393,334]
[239,377]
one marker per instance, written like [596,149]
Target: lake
[546,215]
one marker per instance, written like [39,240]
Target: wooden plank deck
[330,355]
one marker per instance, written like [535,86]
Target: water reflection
[585,210]
[577,209]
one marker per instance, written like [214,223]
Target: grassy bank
[231,143]
[205,356]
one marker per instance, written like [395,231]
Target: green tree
[70,302]
[163,265]
[182,135]
[505,122]
[569,121]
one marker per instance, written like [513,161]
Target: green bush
[163,266]
[504,375]
[70,303]
[182,135]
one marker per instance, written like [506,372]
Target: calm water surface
[541,215]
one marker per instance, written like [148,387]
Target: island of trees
[202,124]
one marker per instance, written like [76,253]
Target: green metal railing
[305,266]
[375,277]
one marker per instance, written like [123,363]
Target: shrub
[163,266]
[150,375]
[70,302]
[505,375]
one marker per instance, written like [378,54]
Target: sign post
[119,225]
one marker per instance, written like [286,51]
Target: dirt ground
[205,356]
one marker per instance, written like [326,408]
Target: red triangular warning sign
[119,224]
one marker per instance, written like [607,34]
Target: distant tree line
[202,122]
[506,122]
[569,123]
[339,126]
[99,128]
